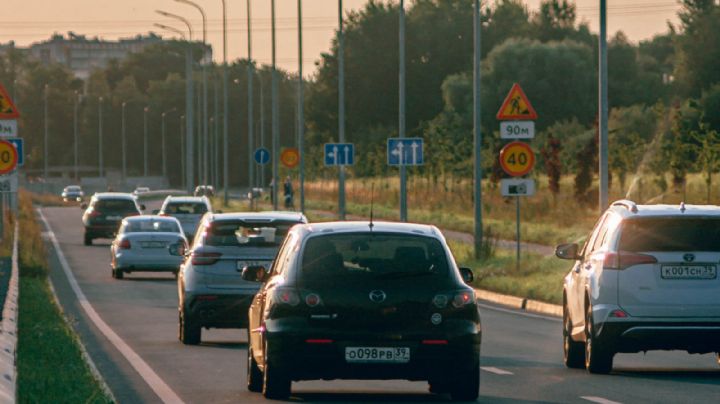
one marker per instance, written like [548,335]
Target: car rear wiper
[403,274]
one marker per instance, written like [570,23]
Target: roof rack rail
[627,204]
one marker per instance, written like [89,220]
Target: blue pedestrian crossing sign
[262,155]
[407,151]
[339,154]
[18,143]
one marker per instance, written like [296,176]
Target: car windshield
[671,234]
[248,233]
[351,257]
[152,226]
[185,208]
[119,205]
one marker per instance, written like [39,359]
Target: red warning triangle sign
[8,110]
[516,106]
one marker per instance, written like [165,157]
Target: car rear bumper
[212,310]
[150,264]
[318,354]
[105,230]
[637,336]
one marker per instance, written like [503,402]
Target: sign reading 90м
[517,159]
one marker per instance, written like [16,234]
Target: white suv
[645,279]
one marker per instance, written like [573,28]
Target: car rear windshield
[246,233]
[671,234]
[116,205]
[152,226]
[372,256]
[185,208]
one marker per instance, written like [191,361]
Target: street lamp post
[45,142]
[477,134]
[75,132]
[162,145]
[401,111]
[183,178]
[250,79]
[301,112]
[225,107]
[124,143]
[275,117]
[100,136]
[341,108]
[145,141]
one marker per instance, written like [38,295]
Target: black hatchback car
[104,213]
[355,300]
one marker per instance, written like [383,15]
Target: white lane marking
[599,400]
[520,313]
[163,391]
[497,371]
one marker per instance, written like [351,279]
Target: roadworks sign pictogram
[8,110]
[516,106]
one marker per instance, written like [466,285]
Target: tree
[698,53]
[707,147]
[553,166]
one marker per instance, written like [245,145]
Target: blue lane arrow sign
[406,151]
[262,155]
[19,145]
[339,154]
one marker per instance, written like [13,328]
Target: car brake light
[618,314]
[205,258]
[125,244]
[622,260]
[463,298]
[287,296]
[456,298]
[434,342]
[94,213]
[312,300]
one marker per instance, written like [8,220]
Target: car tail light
[456,298]
[618,314]
[94,213]
[319,341]
[622,260]
[287,296]
[125,244]
[440,301]
[434,342]
[205,258]
[312,300]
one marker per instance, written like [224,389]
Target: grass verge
[50,365]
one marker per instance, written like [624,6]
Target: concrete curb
[519,303]
[8,331]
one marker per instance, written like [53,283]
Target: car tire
[87,240]
[276,383]
[188,332]
[598,358]
[465,386]
[254,375]
[573,351]
[118,273]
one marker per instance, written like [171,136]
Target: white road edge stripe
[497,371]
[519,313]
[599,400]
[163,391]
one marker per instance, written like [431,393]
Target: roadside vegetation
[50,364]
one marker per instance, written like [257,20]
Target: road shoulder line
[158,386]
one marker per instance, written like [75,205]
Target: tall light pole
[183,178]
[100,136]
[262,127]
[205,90]
[123,135]
[225,107]
[145,141]
[477,135]
[45,142]
[250,79]
[301,111]
[162,143]
[189,96]
[341,108]
[401,110]
[275,116]
[603,108]
[75,132]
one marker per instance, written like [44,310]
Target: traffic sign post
[517,187]
[339,154]
[8,127]
[517,130]
[517,159]
[261,155]
[406,151]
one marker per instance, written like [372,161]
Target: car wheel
[118,273]
[598,358]
[87,240]
[465,386]
[188,332]
[573,351]
[254,375]
[276,383]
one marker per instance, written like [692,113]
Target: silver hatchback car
[147,244]
[211,291]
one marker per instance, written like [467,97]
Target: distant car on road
[104,213]
[141,190]
[212,293]
[204,190]
[189,210]
[645,279]
[355,300]
[147,244]
[72,193]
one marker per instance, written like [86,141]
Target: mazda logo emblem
[378,296]
[689,257]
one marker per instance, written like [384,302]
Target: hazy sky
[31,21]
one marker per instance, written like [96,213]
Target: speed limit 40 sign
[8,157]
[517,159]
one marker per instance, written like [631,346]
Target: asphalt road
[129,328]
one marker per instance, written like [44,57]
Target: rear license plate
[243,264]
[152,244]
[113,217]
[688,272]
[377,355]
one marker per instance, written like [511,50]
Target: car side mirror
[155,211]
[467,275]
[83,206]
[142,207]
[567,251]
[254,273]
[181,250]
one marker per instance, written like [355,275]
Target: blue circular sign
[262,155]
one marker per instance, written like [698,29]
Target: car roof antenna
[372,198]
